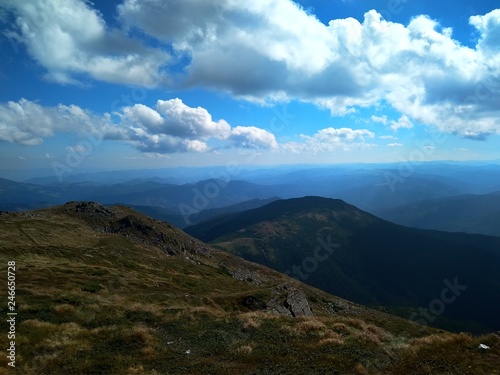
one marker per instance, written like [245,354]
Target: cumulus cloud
[174,126]
[171,126]
[184,121]
[28,123]
[418,68]
[252,137]
[69,38]
[395,145]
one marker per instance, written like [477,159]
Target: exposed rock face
[137,227]
[91,209]
[289,301]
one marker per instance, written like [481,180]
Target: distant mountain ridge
[464,213]
[373,261]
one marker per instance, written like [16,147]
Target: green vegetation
[109,291]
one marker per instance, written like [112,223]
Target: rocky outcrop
[90,209]
[289,301]
[137,227]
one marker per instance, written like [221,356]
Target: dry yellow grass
[244,350]
[139,370]
[450,339]
[341,329]
[192,312]
[360,369]
[371,333]
[307,325]
[64,309]
[254,319]
[144,333]
[331,338]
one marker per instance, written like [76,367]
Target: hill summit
[345,251]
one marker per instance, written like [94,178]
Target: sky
[166,83]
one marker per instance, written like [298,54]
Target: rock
[482,346]
[297,303]
[289,301]
[90,208]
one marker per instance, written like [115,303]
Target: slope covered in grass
[111,291]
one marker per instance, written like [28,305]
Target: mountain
[107,290]
[183,204]
[465,213]
[190,191]
[179,221]
[16,196]
[187,199]
[338,248]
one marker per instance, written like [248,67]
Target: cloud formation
[331,139]
[170,127]
[419,69]
[402,123]
[28,123]
[69,39]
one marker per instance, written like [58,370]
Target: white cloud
[419,68]
[263,50]
[380,119]
[395,145]
[219,29]
[330,139]
[173,126]
[252,137]
[391,137]
[184,121]
[28,123]
[143,116]
[196,146]
[489,27]
[170,127]
[69,38]
[402,123]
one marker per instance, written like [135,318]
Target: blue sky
[148,84]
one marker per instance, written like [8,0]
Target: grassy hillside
[110,291]
[370,260]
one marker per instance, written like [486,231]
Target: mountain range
[424,196]
[469,213]
[108,290]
